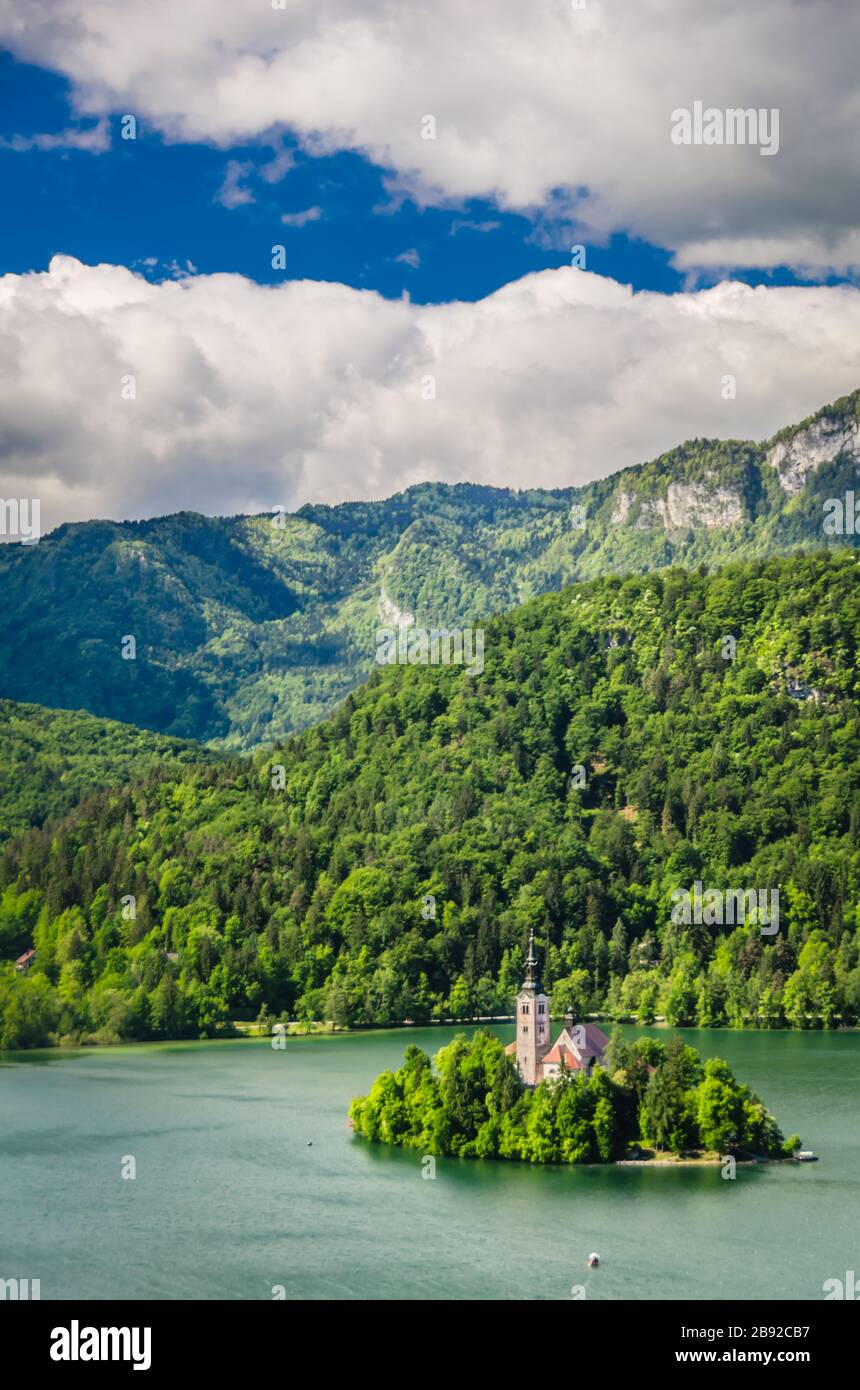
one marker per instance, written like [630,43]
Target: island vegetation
[470,1103]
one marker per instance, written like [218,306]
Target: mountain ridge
[848,405]
[250,627]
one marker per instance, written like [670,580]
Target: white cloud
[93,139]
[172,268]
[280,164]
[527,99]
[234,192]
[412,258]
[464,224]
[815,257]
[250,396]
[299,219]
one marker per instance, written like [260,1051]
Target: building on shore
[578,1047]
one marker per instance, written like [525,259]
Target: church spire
[531,981]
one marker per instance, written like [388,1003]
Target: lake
[248,1177]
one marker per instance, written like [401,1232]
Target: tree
[719,1112]
[167,1009]
[659,1108]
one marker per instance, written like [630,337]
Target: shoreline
[675,1161]
[244,1029]
[669,1160]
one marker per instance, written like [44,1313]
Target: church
[578,1047]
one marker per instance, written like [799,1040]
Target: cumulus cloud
[530,102]
[250,396]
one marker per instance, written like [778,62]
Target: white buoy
[593,1259]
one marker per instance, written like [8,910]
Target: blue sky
[154,206]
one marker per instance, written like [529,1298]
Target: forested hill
[247,630]
[434,819]
[50,759]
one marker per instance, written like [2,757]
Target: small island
[584,1100]
[655,1101]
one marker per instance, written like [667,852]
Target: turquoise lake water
[230,1200]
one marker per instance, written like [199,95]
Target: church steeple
[532,980]
[532,1021]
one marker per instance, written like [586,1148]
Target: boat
[806,1156]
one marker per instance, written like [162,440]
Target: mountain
[627,738]
[250,627]
[52,758]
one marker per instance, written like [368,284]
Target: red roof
[597,1034]
[595,1040]
[22,960]
[594,1043]
[562,1055]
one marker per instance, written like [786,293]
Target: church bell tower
[532,1022]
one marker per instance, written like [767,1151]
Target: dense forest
[389,863]
[471,1103]
[249,628]
[52,758]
